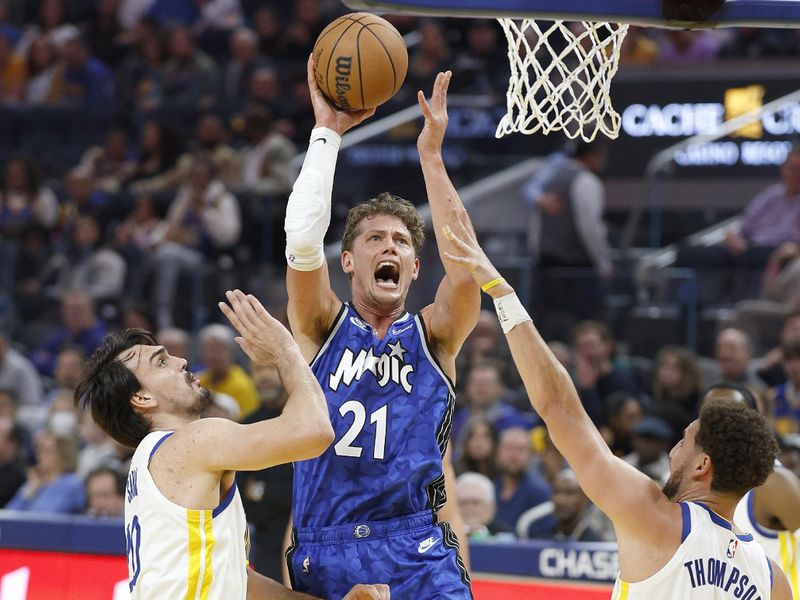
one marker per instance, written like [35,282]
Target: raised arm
[312,302]
[601,475]
[455,310]
[302,431]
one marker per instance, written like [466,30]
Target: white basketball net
[561,77]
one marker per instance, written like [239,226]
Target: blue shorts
[414,555]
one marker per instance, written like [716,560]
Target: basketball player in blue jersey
[374,506]
[185,527]
[675,543]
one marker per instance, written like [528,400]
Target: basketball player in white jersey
[771,512]
[184,523]
[675,543]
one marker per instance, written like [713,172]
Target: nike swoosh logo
[426,545]
[323,140]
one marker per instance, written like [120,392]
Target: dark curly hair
[106,386]
[384,204]
[740,444]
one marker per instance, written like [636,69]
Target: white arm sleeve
[308,212]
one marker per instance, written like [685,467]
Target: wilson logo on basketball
[344,64]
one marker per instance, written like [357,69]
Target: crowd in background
[210,106]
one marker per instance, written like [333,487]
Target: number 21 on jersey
[378,418]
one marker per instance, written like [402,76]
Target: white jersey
[178,553]
[712,563]
[780,546]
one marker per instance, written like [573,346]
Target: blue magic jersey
[391,408]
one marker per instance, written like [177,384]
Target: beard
[201,402]
[670,489]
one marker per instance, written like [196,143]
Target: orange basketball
[360,61]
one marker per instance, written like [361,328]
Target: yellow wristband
[493,283]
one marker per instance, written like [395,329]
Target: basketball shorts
[417,557]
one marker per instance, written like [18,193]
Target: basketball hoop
[561,77]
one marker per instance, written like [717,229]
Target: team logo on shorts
[732,546]
[361,531]
[306,564]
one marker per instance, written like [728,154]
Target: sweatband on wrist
[308,212]
[492,284]
[510,312]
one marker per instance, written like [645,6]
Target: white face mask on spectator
[63,423]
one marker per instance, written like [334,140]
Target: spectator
[623,411]
[486,396]
[111,164]
[757,42]
[52,19]
[268,28]
[677,385]
[786,396]
[89,265]
[63,418]
[637,48]
[105,33]
[141,77]
[652,439]
[483,64]
[567,239]
[190,75]
[245,59]
[52,485]
[97,449]
[13,70]
[218,15]
[160,146]
[23,200]
[780,296]
[203,220]
[733,352]
[87,81]
[66,372]
[573,513]
[267,494]
[517,489]
[771,219]
[12,475]
[176,342]
[596,376]
[80,327]
[430,56]
[475,494]
[19,376]
[223,406]
[677,378]
[45,73]
[267,156]
[222,374]
[105,493]
[790,452]
[211,138]
[8,404]
[770,367]
[31,268]
[82,197]
[476,448]
[308,21]
[264,88]
[688,47]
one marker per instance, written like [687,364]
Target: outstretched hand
[432,135]
[378,591]
[262,337]
[325,113]
[470,255]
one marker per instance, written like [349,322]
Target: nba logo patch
[732,545]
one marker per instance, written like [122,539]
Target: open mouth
[387,275]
